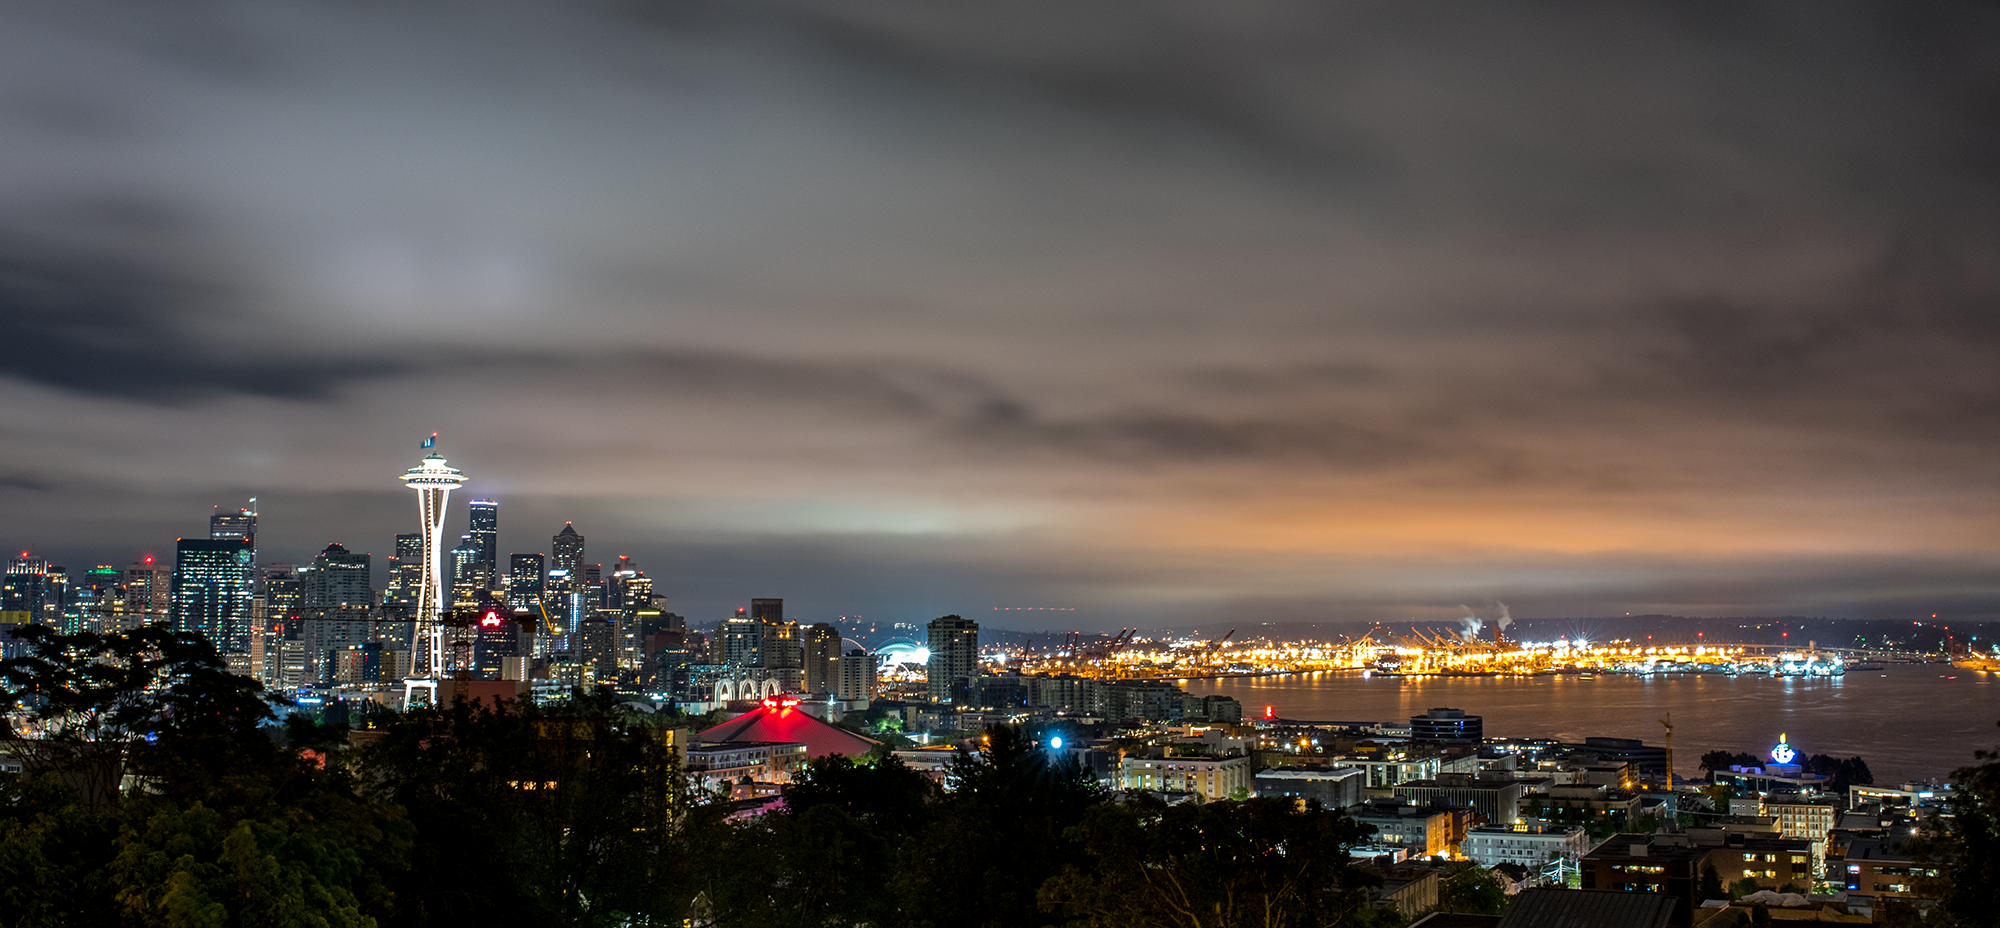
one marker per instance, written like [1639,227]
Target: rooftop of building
[1648,847]
[1879,850]
[1456,920]
[1384,809]
[1588,908]
[781,720]
[1564,830]
[1460,781]
[1743,912]
[1231,759]
[717,747]
[1310,773]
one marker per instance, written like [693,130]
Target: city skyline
[1171,316]
[1042,464]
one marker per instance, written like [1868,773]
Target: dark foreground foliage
[1963,844]
[159,790]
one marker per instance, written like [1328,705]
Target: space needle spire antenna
[433,482]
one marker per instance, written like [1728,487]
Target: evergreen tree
[217,824]
[1964,848]
[1262,862]
[1467,888]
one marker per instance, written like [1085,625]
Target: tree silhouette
[1263,862]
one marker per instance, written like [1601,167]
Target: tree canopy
[162,790]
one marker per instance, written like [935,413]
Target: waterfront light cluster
[1424,655]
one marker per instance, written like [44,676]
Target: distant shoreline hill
[1795,631]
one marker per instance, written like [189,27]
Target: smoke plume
[1473,623]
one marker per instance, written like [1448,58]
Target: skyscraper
[433,481]
[211,591]
[740,640]
[822,648]
[954,644]
[524,583]
[98,602]
[284,600]
[406,576]
[566,555]
[467,584]
[337,581]
[33,591]
[596,647]
[855,675]
[595,593]
[485,539]
[240,525]
[26,593]
[630,589]
[149,591]
[784,651]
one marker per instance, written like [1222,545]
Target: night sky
[1169,312]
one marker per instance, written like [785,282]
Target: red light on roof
[780,702]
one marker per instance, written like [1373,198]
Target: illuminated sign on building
[780,702]
[1782,752]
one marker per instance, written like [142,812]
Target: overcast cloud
[1160,310]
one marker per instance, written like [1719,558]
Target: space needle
[433,482]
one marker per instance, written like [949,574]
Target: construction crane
[1216,645]
[1668,721]
[549,625]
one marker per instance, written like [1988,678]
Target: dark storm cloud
[1916,300]
[1174,305]
[28,484]
[105,327]
[1579,103]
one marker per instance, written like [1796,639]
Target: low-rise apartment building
[1335,788]
[1496,799]
[1209,777]
[1400,826]
[1880,868]
[710,765]
[1525,845]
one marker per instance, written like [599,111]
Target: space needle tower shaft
[433,482]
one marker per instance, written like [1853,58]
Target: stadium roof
[780,719]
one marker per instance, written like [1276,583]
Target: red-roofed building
[779,719]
